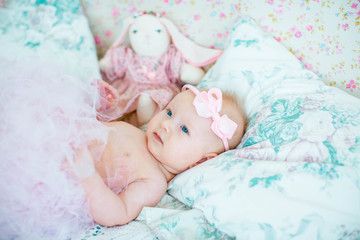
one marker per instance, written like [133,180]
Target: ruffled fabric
[44,117]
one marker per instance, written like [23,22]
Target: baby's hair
[234,98]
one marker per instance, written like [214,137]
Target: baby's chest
[121,166]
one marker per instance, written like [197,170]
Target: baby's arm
[109,209]
[106,207]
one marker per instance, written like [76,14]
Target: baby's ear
[204,159]
[209,156]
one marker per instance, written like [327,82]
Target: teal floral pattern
[264,181]
[56,31]
[281,126]
[247,43]
[177,221]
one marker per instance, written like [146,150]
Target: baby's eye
[169,113]
[184,129]
[158,30]
[135,31]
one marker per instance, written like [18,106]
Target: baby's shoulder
[124,128]
[126,138]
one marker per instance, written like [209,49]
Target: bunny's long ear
[193,53]
[126,24]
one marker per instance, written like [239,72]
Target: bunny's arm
[115,62]
[191,74]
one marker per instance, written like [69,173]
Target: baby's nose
[166,125]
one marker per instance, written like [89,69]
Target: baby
[135,167]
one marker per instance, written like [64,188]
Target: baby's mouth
[158,138]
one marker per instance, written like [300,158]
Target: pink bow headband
[208,106]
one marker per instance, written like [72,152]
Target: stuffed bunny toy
[145,76]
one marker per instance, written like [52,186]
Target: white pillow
[296,171]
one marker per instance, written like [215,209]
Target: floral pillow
[296,172]
[55,31]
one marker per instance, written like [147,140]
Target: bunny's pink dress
[131,74]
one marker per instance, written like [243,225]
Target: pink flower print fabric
[131,75]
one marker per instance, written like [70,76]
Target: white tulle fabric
[44,116]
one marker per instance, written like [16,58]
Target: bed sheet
[323,35]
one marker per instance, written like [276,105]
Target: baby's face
[178,137]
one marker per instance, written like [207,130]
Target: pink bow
[208,105]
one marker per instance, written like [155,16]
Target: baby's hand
[109,96]
[83,165]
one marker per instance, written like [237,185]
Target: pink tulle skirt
[44,115]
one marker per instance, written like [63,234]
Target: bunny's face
[148,36]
